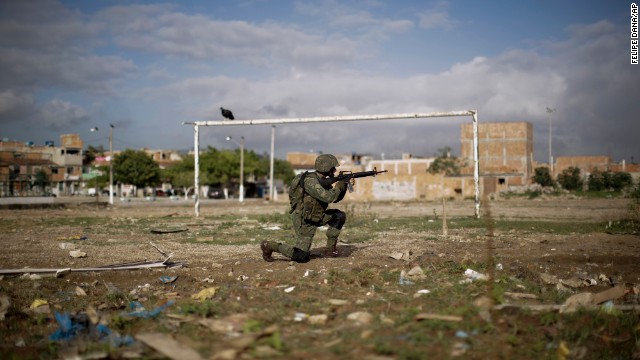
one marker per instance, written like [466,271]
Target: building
[505,154]
[21,163]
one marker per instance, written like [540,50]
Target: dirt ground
[247,285]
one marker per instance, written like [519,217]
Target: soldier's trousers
[305,231]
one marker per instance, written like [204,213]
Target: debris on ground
[5,303]
[205,294]
[77,254]
[428,316]
[168,230]
[168,346]
[404,255]
[140,312]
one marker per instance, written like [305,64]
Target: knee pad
[337,220]
[300,256]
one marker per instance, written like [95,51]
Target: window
[502,181]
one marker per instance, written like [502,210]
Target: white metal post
[241,197]
[196,156]
[476,166]
[273,140]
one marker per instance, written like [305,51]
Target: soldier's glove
[342,185]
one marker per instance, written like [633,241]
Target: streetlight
[241,144]
[549,111]
[95,129]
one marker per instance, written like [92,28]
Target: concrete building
[20,162]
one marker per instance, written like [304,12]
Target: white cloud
[437,17]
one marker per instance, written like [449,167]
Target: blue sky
[146,67]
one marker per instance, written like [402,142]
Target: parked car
[215,193]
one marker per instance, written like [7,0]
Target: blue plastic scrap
[72,326]
[168,279]
[67,330]
[150,313]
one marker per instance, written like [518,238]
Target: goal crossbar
[472,113]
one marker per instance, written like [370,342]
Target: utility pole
[241,144]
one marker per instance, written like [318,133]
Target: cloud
[46,25]
[53,116]
[585,78]
[437,17]
[58,115]
[15,107]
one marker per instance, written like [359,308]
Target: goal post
[197,124]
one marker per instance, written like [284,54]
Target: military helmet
[325,162]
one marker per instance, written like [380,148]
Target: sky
[146,67]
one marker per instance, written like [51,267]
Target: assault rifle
[347,176]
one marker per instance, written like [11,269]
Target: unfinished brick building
[505,153]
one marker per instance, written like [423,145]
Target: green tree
[597,180]
[221,167]
[181,174]
[91,153]
[445,163]
[621,180]
[135,168]
[570,179]
[41,180]
[542,176]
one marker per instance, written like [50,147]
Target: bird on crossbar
[226,113]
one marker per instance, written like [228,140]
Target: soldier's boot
[268,247]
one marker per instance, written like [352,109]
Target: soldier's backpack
[296,191]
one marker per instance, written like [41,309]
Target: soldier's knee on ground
[338,220]
[300,256]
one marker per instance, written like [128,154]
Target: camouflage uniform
[313,214]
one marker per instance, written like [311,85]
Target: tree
[597,180]
[135,168]
[221,167]
[91,154]
[621,180]
[608,180]
[41,180]
[542,176]
[570,178]
[181,174]
[445,163]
